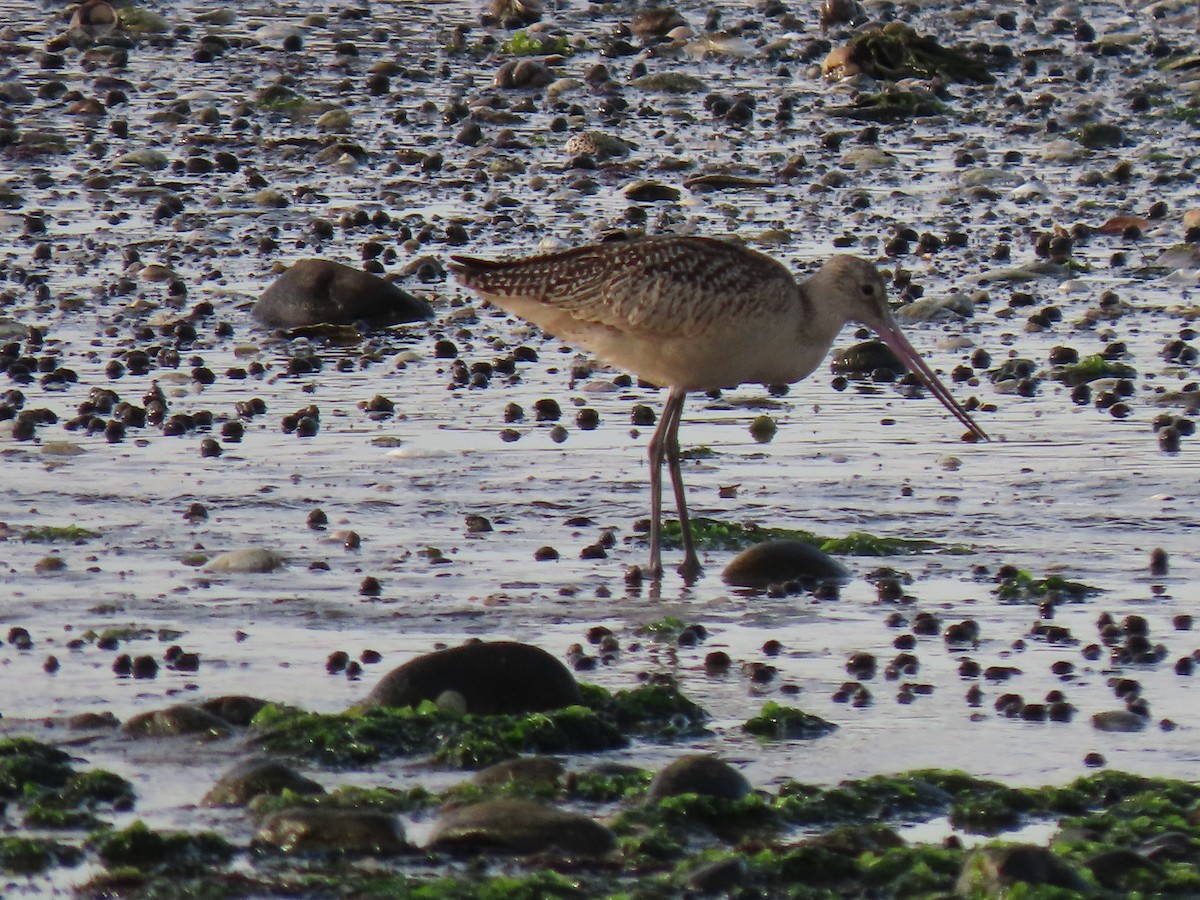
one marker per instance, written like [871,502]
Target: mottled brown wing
[664,285]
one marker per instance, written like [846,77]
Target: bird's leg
[690,569]
[656,452]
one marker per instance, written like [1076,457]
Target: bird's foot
[691,569]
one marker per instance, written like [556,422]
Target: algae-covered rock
[521,826]
[327,830]
[140,847]
[176,721]
[254,777]
[896,51]
[992,871]
[530,771]
[785,723]
[235,709]
[889,105]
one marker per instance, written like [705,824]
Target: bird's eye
[868,290]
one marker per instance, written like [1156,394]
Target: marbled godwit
[694,314]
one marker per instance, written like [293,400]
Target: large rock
[485,678]
[235,709]
[1119,720]
[254,777]
[522,826]
[319,830]
[320,291]
[699,773]
[176,721]
[778,562]
[529,771]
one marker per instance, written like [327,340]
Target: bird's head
[863,294]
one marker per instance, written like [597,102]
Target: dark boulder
[320,291]
[699,773]
[234,709]
[485,678]
[778,562]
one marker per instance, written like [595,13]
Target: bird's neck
[820,317]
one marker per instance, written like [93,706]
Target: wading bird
[694,314]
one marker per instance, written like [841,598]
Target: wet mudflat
[142,244]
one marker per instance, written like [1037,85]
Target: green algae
[50,793]
[53,818]
[58,534]
[464,741]
[860,543]
[121,634]
[598,786]
[524,44]
[540,885]
[890,105]
[141,848]
[468,741]
[389,800]
[1002,809]
[896,51]
[668,628]
[714,534]
[689,811]
[279,98]
[785,723]
[1092,368]
[655,711]
[29,856]
[911,871]
[664,844]
[27,765]
[1023,587]
[900,796]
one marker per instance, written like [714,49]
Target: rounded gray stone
[521,826]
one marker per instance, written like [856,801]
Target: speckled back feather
[680,286]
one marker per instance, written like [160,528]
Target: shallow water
[1063,488]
